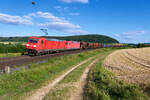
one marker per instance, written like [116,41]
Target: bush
[142,45]
[11,48]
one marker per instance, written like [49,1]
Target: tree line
[11,48]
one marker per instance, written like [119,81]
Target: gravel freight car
[84,45]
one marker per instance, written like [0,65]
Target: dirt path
[41,93]
[78,95]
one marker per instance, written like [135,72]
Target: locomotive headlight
[34,45]
[27,45]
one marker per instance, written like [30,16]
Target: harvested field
[130,65]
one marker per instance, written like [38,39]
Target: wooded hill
[85,38]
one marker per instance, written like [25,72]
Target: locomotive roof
[60,40]
[32,37]
[54,39]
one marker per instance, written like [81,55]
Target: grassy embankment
[102,85]
[17,84]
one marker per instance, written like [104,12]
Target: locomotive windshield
[33,40]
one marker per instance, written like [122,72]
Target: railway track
[21,60]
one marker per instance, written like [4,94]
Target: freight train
[42,45]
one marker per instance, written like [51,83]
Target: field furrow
[131,65]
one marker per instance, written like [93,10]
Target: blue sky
[126,20]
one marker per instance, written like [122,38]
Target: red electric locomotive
[40,45]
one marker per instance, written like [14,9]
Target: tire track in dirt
[41,93]
[78,95]
[137,60]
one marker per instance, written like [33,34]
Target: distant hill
[85,38]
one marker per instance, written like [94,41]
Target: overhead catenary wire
[45,31]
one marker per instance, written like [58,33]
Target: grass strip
[76,74]
[2,55]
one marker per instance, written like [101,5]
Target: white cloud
[58,24]
[44,20]
[131,34]
[31,15]
[61,10]
[49,16]
[134,33]
[71,1]
[57,7]
[134,36]
[27,17]
[15,20]
[74,14]
[117,35]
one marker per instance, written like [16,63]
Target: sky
[125,20]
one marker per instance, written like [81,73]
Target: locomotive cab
[34,45]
